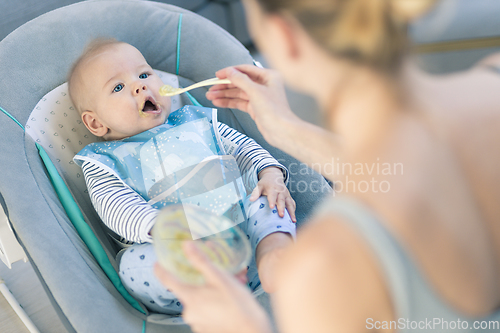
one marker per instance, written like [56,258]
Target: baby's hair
[93,48]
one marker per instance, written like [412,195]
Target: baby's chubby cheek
[166,103]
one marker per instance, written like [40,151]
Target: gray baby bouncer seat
[42,191]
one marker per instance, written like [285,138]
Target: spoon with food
[167,90]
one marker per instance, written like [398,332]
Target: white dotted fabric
[55,124]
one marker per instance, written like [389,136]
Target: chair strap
[179,29]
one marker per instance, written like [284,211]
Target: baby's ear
[93,123]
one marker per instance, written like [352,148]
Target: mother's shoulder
[332,266]
[336,242]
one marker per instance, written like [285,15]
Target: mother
[412,238]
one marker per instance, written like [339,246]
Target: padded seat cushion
[35,59]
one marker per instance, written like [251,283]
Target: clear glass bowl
[217,236]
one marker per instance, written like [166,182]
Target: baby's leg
[263,221]
[136,273]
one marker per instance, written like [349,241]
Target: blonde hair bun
[371,32]
[407,10]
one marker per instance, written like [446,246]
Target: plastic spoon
[168,90]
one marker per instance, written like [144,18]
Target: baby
[117,95]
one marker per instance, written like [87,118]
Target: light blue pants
[136,263]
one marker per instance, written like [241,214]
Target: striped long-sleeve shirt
[127,213]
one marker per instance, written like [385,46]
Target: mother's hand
[221,305]
[257,91]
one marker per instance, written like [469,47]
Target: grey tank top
[417,306]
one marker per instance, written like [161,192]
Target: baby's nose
[139,88]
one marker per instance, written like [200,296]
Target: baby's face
[123,91]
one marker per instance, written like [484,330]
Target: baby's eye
[143,76]
[118,88]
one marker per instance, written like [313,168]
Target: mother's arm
[260,93]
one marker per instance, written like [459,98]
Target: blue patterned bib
[180,162]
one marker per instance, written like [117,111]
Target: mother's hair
[370,32]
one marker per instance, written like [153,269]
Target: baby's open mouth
[150,106]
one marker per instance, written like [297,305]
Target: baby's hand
[271,184]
